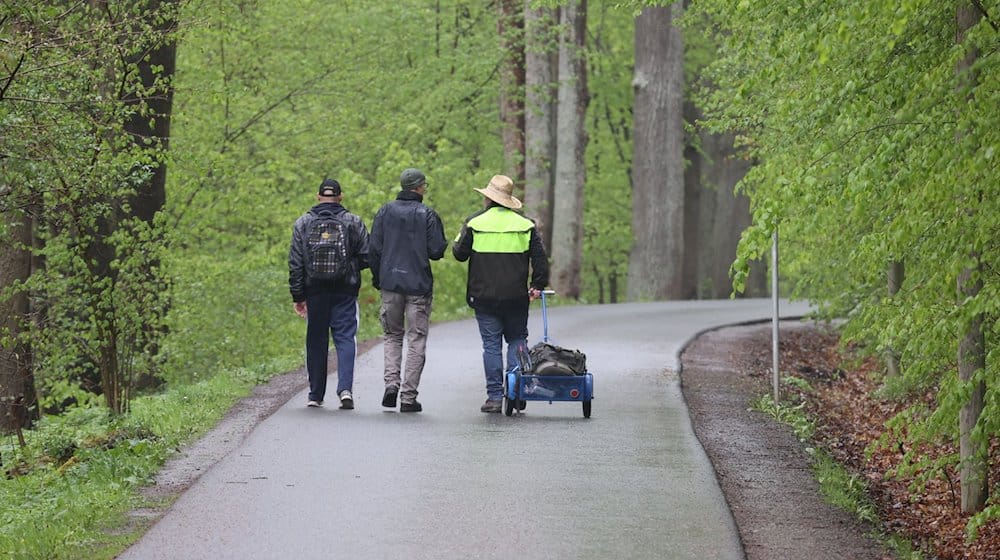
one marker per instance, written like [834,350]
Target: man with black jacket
[500,245]
[406,236]
[328,301]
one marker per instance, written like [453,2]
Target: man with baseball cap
[329,250]
[501,246]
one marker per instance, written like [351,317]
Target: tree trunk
[732,216]
[510,28]
[156,70]
[894,277]
[541,60]
[657,259]
[973,451]
[17,387]
[699,213]
[715,216]
[150,103]
[972,359]
[570,173]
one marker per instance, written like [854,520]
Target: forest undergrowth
[841,395]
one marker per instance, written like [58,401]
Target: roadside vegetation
[830,397]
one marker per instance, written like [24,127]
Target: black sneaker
[389,398]
[409,406]
[346,400]
[491,406]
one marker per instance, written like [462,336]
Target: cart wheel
[508,406]
[521,404]
[586,409]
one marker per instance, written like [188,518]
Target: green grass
[70,490]
[839,487]
[79,475]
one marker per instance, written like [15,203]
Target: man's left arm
[539,261]
[361,245]
[436,241]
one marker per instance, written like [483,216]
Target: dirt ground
[762,467]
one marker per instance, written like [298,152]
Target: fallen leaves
[850,420]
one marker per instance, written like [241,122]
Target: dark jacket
[406,236]
[298,282]
[500,244]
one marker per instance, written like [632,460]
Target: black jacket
[406,236]
[500,278]
[298,282]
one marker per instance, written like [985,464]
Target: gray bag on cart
[549,359]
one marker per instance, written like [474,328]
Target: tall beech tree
[541,70]
[657,259]
[973,449]
[510,29]
[571,146]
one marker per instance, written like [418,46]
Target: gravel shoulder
[762,467]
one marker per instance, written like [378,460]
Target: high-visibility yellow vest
[501,230]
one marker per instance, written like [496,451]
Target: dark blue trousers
[330,314]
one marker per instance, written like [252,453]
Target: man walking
[406,236]
[500,244]
[328,252]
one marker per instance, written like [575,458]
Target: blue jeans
[497,324]
[337,315]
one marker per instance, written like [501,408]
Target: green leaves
[872,148]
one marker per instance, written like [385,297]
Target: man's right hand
[300,308]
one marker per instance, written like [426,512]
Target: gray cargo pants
[416,311]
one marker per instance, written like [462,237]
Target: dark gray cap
[411,178]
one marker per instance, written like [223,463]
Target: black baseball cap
[329,187]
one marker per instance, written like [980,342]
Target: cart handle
[545,315]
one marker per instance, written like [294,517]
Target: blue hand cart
[522,384]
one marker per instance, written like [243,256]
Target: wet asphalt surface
[632,481]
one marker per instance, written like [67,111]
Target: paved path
[451,482]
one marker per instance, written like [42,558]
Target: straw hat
[500,190]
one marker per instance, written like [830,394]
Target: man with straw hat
[501,246]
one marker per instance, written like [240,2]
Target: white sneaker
[314,404]
[346,400]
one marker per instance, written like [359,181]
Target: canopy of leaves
[872,148]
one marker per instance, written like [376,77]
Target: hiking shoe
[389,398]
[314,404]
[410,406]
[346,400]
[491,406]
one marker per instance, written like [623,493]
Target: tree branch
[865,131]
[982,9]
[272,106]
[10,79]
